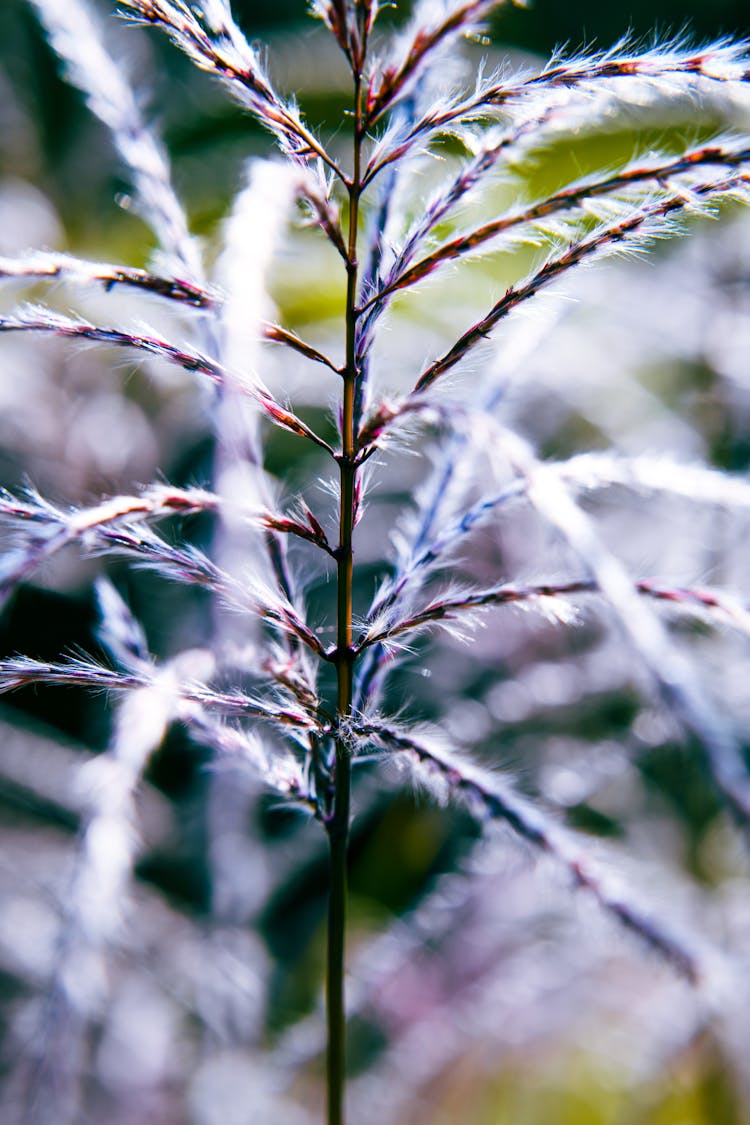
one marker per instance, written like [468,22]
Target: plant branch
[489,797]
[62,267]
[43,266]
[55,528]
[720,606]
[19,672]
[223,51]
[337,821]
[723,62]
[643,222]
[390,83]
[577,196]
[43,320]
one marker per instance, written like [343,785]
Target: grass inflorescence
[313,711]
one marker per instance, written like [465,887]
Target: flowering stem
[337,825]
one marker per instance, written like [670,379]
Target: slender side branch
[723,62]
[572,197]
[45,321]
[315,192]
[278,335]
[21,672]
[390,83]
[422,564]
[192,567]
[220,48]
[719,606]
[62,267]
[489,797]
[279,772]
[641,224]
[54,528]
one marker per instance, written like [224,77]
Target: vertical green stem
[338,824]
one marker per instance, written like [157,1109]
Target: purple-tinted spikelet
[659,71]
[434,25]
[213,41]
[45,321]
[666,172]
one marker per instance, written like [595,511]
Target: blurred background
[483,990]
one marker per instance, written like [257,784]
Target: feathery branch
[719,606]
[658,172]
[724,62]
[212,40]
[491,798]
[390,82]
[43,320]
[643,223]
